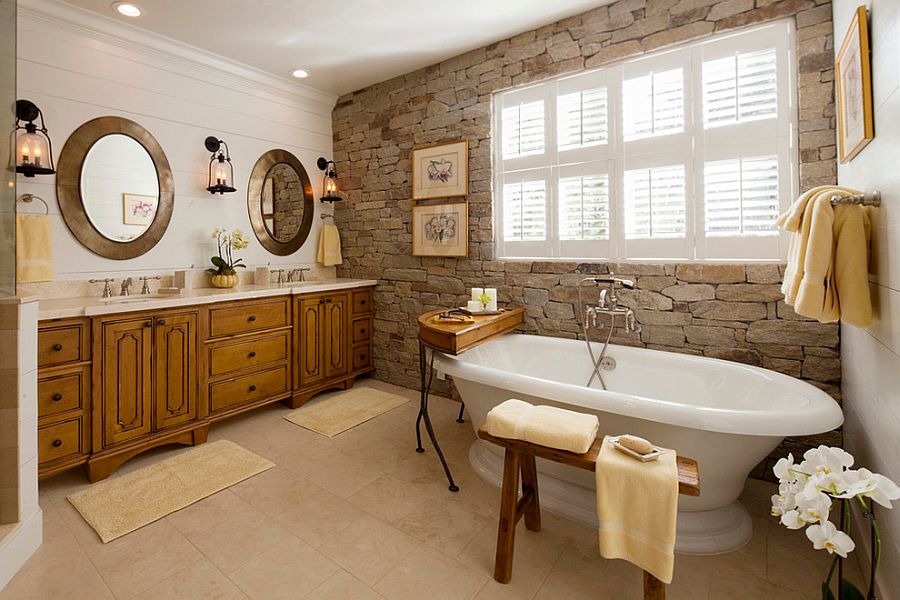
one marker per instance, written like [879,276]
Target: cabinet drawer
[249,354]
[362,330]
[62,393]
[247,388]
[59,440]
[362,357]
[249,317]
[61,345]
[362,301]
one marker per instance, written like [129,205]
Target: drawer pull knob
[57,443]
[56,397]
[363,302]
[251,318]
[252,355]
[148,324]
[57,347]
[327,299]
[252,388]
[322,301]
[162,321]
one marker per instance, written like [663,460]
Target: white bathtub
[726,415]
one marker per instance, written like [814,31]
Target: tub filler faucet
[608,304]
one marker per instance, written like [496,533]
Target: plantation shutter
[739,88]
[523,129]
[582,118]
[741,196]
[655,203]
[653,104]
[524,211]
[584,207]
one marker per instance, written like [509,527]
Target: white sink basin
[130,299]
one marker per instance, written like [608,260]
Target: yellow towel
[637,507]
[827,267]
[330,246]
[543,425]
[34,249]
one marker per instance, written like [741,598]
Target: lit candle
[492,292]
[476,294]
[37,157]
[25,154]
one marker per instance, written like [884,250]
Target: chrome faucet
[145,289]
[609,302]
[107,291]
[126,286]
[280,275]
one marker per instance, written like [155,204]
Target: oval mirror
[280,202]
[115,187]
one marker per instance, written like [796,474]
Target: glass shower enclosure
[7,127]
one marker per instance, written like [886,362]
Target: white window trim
[692,148]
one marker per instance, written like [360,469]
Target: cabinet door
[175,370]
[309,362]
[335,337]
[126,390]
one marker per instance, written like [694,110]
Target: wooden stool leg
[530,487]
[654,589]
[506,536]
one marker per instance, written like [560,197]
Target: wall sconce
[329,184]
[221,173]
[34,151]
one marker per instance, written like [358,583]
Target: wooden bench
[519,458]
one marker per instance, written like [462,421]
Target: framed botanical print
[856,125]
[138,209]
[441,229]
[440,171]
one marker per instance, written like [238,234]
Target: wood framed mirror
[115,188]
[280,202]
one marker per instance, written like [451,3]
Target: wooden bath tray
[455,338]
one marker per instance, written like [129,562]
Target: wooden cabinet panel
[362,358]
[62,393]
[335,337]
[248,388]
[362,301]
[249,317]
[310,346]
[175,354]
[62,344]
[125,379]
[361,330]
[60,440]
[239,356]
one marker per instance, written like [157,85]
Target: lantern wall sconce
[329,184]
[34,151]
[221,173]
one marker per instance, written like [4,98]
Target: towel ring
[29,198]
[326,216]
[864,199]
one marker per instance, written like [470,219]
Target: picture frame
[139,209]
[853,77]
[440,171]
[441,229]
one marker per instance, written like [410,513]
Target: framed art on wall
[440,171]
[856,125]
[138,209]
[441,229]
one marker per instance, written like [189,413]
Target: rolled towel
[543,425]
[637,508]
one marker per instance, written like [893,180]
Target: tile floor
[362,516]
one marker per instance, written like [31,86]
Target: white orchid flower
[827,537]
[791,519]
[825,460]
[864,482]
[814,509]
[784,469]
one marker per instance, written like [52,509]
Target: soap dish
[657,452]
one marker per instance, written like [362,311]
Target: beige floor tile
[445,525]
[368,548]
[289,569]
[319,517]
[231,543]
[744,586]
[274,491]
[202,580]
[576,577]
[428,573]
[142,559]
[342,475]
[534,556]
[72,580]
[391,499]
[343,586]
[498,591]
[205,514]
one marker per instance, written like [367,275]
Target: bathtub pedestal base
[706,532]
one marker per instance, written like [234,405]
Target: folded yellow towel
[543,425]
[827,267]
[330,246]
[637,507]
[34,248]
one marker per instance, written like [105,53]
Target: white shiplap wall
[871,358]
[77,66]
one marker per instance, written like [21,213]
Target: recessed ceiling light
[127,9]
[300,73]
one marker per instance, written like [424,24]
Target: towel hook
[29,198]
[326,216]
[864,199]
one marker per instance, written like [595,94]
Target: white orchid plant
[224,262]
[806,494]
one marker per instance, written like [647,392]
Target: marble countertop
[59,308]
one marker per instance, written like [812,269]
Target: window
[684,154]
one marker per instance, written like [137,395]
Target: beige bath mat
[344,411]
[120,505]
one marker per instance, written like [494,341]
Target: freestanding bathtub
[726,415]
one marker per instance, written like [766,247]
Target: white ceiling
[344,44]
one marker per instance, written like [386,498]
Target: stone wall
[726,311]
